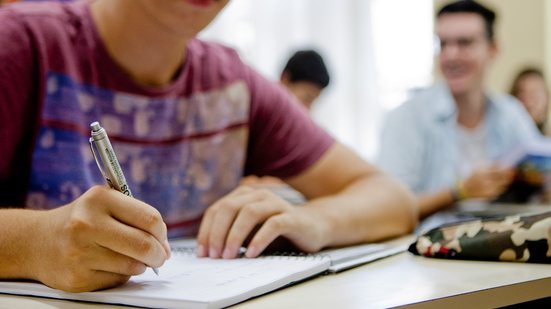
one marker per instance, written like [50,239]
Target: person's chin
[202,3]
[458,86]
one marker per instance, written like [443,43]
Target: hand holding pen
[108,164]
[97,241]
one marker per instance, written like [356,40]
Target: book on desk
[532,163]
[191,282]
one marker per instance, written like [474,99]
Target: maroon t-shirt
[181,146]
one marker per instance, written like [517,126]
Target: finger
[140,215]
[110,261]
[489,190]
[207,222]
[503,179]
[499,176]
[221,224]
[250,215]
[227,210]
[203,234]
[275,226]
[498,172]
[132,242]
[244,189]
[241,190]
[129,211]
[504,169]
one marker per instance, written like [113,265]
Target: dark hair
[307,65]
[470,6]
[522,74]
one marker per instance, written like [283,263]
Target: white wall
[376,51]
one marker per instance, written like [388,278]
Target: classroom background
[378,52]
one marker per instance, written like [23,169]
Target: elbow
[410,210]
[406,210]
[397,214]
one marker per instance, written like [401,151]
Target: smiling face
[465,51]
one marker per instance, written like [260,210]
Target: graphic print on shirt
[178,154]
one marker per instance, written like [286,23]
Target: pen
[107,162]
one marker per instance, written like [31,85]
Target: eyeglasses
[462,44]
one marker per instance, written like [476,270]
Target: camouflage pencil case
[512,238]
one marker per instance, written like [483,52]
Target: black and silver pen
[107,162]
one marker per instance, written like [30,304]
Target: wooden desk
[402,280]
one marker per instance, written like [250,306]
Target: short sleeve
[284,141]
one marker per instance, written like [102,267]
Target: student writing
[188,119]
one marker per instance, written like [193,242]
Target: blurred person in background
[530,87]
[305,76]
[444,142]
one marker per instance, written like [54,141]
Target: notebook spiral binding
[295,254]
[273,255]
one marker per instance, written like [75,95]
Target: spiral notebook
[186,281]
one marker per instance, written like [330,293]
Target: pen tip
[155,270]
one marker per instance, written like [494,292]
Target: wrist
[323,225]
[35,244]
[458,192]
[19,251]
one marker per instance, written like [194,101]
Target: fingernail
[213,253]
[251,252]
[201,252]
[228,253]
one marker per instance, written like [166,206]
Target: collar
[445,108]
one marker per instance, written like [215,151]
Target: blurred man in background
[444,143]
[305,76]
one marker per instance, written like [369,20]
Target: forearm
[372,208]
[18,230]
[433,202]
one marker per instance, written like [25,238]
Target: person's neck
[149,53]
[471,108]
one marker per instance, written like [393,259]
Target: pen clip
[91,142]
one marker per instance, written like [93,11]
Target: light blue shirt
[419,143]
